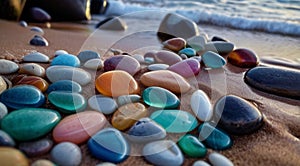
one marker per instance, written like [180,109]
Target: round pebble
[200,163]
[189,52]
[8,67]
[36,148]
[191,146]
[163,56]
[12,157]
[66,154]
[3,111]
[219,47]
[139,58]
[3,85]
[6,140]
[23,23]
[126,99]
[37,29]
[186,68]
[174,44]
[106,164]
[243,58]
[106,105]
[197,42]
[39,14]
[217,159]
[35,81]
[213,60]
[60,52]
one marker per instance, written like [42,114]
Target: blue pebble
[189,52]
[38,41]
[213,60]
[6,140]
[65,85]
[84,56]
[109,145]
[66,60]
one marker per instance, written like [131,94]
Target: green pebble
[160,98]
[191,146]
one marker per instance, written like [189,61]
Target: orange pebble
[31,80]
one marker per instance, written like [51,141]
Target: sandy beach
[276,143]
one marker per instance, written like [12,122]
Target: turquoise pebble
[109,145]
[6,140]
[106,105]
[213,60]
[66,60]
[191,146]
[213,137]
[66,154]
[160,98]
[126,99]
[65,85]
[175,121]
[86,55]
[189,52]
[22,96]
[67,102]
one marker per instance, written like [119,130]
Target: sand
[276,143]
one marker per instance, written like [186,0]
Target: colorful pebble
[66,60]
[186,68]
[39,14]
[219,47]
[42,162]
[197,42]
[106,105]
[126,99]
[94,64]
[191,146]
[189,52]
[243,58]
[60,52]
[32,69]
[163,56]
[201,105]
[174,44]
[157,66]
[122,62]
[37,147]
[213,60]
[66,154]
[3,84]
[65,85]
[35,81]
[12,157]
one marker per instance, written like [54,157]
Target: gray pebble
[217,159]
[84,56]
[200,163]
[8,67]
[106,105]
[158,66]
[66,154]
[6,140]
[36,57]
[126,99]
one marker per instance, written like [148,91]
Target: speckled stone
[94,64]
[65,85]
[217,159]
[157,66]
[35,81]
[37,147]
[174,44]
[6,140]
[243,58]
[201,105]
[126,99]
[38,41]
[66,60]
[39,14]
[122,62]
[106,105]
[32,69]
[66,154]
[163,56]
[163,153]
[219,47]
[8,67]
[213,60]
[191,146]
[12,157]
[86,55]
[186,68]
[36,57]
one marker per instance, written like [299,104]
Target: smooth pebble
[200,163]
[66,154]
[175,44]
[219,47]
[66,60]
[6,140]
[38,41]
[35,81]
[60,52]
[122,62]
[191,146]
[157,66]
[65,85]
[8,67]
[243,58]
[12,157]
[163,56]
[126,99]
[36,57]
[42,162]
[217,159]
[106,105]
[186,68]
[94,64]
[32,69]
[213,60]
[37,147]
[201,105]
[87,55]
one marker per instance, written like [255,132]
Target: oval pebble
[36,57]
[3,111]
[38,41]
[157,66]
[163,153]
[219,47]
[66,154]
[23,23]
[36,148]
[189,52]
[87,55]
[37,29]
[217,159]
[109,145]
[213,60]
[126,99]
[59,52]
[65,85]
[94,64]
[35,81]
[243,58]
[106,164]
[191,146]
[42,162]
[120,62]
[201,105]
[200,163]
[3,85]
[163,56]
[6,140]
[11,157]
[197,42]
[66,60]
[139,58]
[78,128]
[106,105]
[174,44]
[186,68]
[39,14]
[32,69]
[8,67]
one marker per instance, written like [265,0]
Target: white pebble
[217,159]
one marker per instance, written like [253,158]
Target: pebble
[109,84]
[219,47]
[12,157]
[65,85]
[176,25]
[121,62]
[127,115]
[191,146]
[213,60]
[157,66]
[87,55]
[217,159]
[106,105]
[66,154]
[3,111]
[32,123]
[109,145]
[8,67]
[189,52]
[163,56]
[57,73]
[217,38]
[67,102]
[139,58]
[166,79]
[22,96]
[23,23]
[146,130]
[201,105]
[183,56]
[106,164]
[35,81]
[94,64]
[197,42]
[3,85]
[60,52]
[39,14]
[160,98]
[175,121]
[200,163]
[175,44]
[6,140]
[278,61]
[37,29]
[186,68]
[237,116]
[37,147]
[66,60]
[115,24]
[243,58]
[32,69]
[78,128]
[126,99]
[38,41]
[163,153]
[214,137]
[36,57]
[42,162]
[278,81]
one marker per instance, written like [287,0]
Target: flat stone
[175,44]
[122,62]
[186,68]
[78,128]
[243,58]
[32,69]
[175,121]
[197,42]
[278,81]
[10,157]
[42,162]
[66,153]
[163,56]
[213,60]
[106,105]
[189,52]
[8,67]
[59,52]
[191,146]
[157,66]
[23,23]
[39,14]
[126,99]
[86,55]
[32,123]
[37,29]
[201,105]
[35,81]
[109,84]
[6,140]
[200,163]
[65,85]
[36,57]
[37,147]
[163,153]
[219,47]
[214,137]
[115,24]
[178,26]
[22,96]
[166,79]
[57,73]
[160,98]
[94,64]
[67,102]
[146,130]
[217,159]
[66,60]
[3,85]
[109,145]
[38,41]
[127,115]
